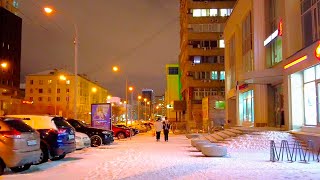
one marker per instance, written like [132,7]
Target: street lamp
[139,97]
[4,65]
[48,11]
[145,108]
[131,103]
[61,78]
[116,69]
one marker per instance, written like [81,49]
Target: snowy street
[144,158]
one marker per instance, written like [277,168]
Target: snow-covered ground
[144,158]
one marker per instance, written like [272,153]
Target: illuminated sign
[296,62]
[275,34]
[317,51]
[27,102]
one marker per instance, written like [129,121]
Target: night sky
[140,36]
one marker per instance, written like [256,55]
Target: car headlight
[105,132]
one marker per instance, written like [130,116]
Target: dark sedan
[97,136]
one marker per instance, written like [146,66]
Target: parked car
[19,145]
[142,128]
[57,136]
[134,130]
[120,132]
[97,136]
[82,140]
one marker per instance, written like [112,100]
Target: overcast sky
[141,36]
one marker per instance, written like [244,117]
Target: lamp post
[48,11]
[131,103]
[116,69]
[145,108]
[62,78]
[139,97]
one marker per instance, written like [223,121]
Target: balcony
[209,4]
[207,19]
[205,52]
[190,82]
[204,35]
[189,66]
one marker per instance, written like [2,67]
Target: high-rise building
[202,53]
[149,95]
[10,55]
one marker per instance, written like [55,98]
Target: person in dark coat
[166,128]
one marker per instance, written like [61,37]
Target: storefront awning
[266,76]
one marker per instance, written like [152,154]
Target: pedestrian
[158,127]
[166,128]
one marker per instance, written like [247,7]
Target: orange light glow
[296,62]
[115,68]
[94,89]
[130,88]
[280,28]
[48,10]
[317,52]
[4,65]
[139,97]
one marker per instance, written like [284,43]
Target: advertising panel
[101,116]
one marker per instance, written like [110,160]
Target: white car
[82,140]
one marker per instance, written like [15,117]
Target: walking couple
[159,126]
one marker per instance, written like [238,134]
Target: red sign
[280,30]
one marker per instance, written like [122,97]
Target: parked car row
[27,140]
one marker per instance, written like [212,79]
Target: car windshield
[19,125]
[60,122]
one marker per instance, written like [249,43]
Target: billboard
[101,116]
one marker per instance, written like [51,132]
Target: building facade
[202,53]
[173,89]
[52,92]
[271,64]
[10,56]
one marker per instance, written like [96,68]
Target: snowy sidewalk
[144,158]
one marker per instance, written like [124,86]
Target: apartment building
[202,53]
[53,92]
[272,68]
[10,56]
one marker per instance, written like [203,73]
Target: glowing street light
[139,98]
[49,11]
[4,65]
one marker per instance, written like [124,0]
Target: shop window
[309,75]
[310,104]
[246,106]
[318,71]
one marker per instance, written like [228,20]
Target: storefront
[303,72]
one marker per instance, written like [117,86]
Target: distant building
[52,92]
[202,53]
[159,106]
[172,90]
[10,56]
[149,95]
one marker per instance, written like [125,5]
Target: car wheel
[58,157]
[121,135]
[44,156]
[96,141]
[2,166]
[21,168]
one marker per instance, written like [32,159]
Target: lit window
[196,13]
[203,12]
[197,60]
[50,81]
[221,43]
[68,82]
[214,75]
[222,75]
[213,12]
